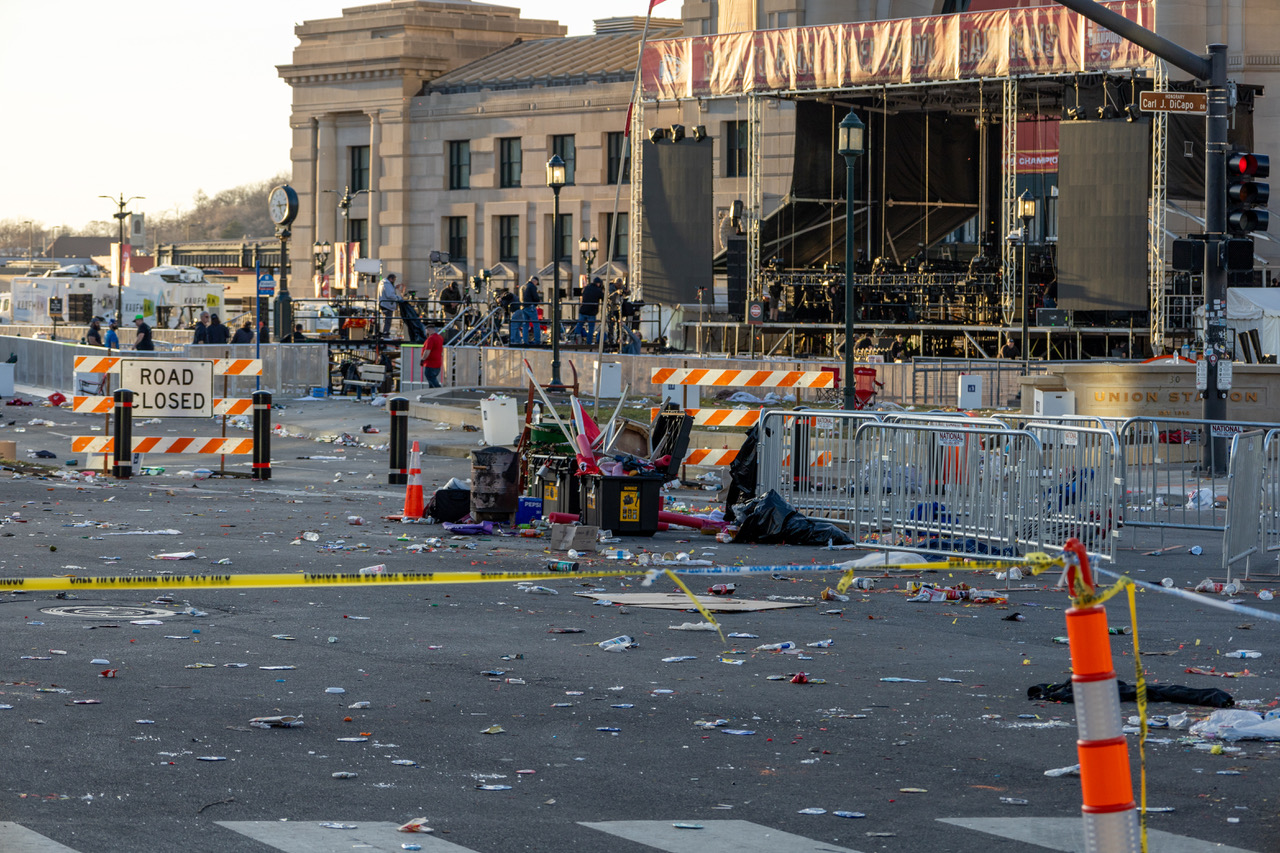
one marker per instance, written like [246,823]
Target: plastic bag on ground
[742,473]
[1239,725]
[769,519]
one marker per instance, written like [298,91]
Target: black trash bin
[628,506]
[551,478]
[495,484]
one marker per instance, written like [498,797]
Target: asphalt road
[587,736]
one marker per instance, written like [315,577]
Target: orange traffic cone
[414,506]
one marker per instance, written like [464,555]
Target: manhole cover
[107,611]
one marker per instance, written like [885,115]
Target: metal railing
[809,459]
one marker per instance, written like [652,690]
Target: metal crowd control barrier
[947,489]
[943,485]
[1270,510]
[1079,486]
[808,458]
[1175,471]
[1242,537]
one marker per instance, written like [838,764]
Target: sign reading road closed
[169,387]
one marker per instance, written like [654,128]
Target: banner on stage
[1010,42]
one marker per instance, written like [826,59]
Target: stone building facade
[385,96]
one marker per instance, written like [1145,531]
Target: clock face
[282,205]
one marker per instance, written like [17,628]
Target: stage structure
[941,87]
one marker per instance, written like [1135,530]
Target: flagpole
[613,220]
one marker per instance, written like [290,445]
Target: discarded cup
[1167,583]
[374,570]
[563,565]
[355,520]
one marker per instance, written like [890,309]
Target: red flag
[653,3]
[626,128]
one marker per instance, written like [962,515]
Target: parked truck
[167,297]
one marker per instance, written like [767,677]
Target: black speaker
[736,268]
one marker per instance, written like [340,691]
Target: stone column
[326,180]
[375,196]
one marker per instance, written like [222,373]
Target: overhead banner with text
[1007,43]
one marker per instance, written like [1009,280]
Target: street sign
[266,284]
[755,313]
[1187,103]
[169,387]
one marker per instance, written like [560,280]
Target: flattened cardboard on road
[679,601]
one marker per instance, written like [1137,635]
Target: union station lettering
[1168,396]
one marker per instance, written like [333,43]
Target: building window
[620,241]
[360,234]
[509,239]
[457,226]
[735,149]
[615,142]
[460,165]
[567,245]
[564,146]
[509,160]
[359,167]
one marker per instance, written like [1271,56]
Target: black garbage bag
[742,473]
[450,504]
[770,520]
[1208,697]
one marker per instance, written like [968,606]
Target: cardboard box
[576,537]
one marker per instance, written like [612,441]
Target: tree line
[239,213]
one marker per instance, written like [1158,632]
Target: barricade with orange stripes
[124,444]
[717,417]
[743,378]
[221,366]
[103,405]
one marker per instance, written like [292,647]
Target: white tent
[1255,308]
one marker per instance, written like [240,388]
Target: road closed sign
[169,387]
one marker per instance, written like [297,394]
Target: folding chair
[865,384]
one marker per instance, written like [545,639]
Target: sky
[162,98]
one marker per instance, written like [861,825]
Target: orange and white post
[1109,811]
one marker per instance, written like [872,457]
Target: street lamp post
[320,255]
[1026,212]
[30,245]
[119,215]
[344,207]
[851,144]
[588,249]
[555,180]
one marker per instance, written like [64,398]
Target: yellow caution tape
[1141,686]
[706,614]
[266,581]
[1035,563]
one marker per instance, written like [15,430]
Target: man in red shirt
[432,357]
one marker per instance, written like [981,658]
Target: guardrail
[1246,475]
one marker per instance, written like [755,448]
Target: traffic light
[1245,194]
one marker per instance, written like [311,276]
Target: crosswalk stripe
[1067,834]
[716,836]
[310,837]
[19,839]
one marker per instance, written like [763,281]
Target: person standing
[432,357]
[1010,349]
[143,342]
[202,329]
[217,332]
[93,337]
[450,301]
[296,337]
[113,339]
[589,309]
[389,300]
[532,296]
[898,349]
[244,334]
